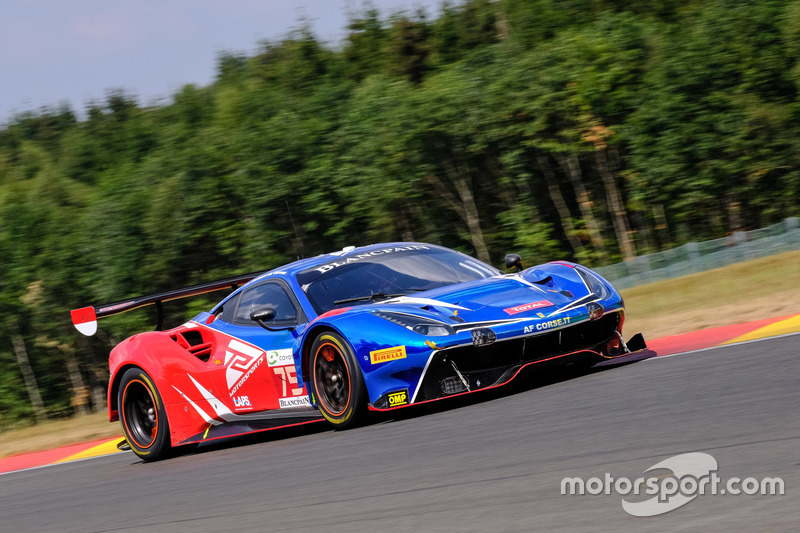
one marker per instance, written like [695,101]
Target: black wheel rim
[332,379]
[140,414]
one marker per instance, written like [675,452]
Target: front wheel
[337,381]
[143,416]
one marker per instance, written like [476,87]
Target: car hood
[532,293]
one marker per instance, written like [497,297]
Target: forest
[589,130]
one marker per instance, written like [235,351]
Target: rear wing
[85,318]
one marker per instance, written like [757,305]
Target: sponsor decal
[563,321]
[246,376]
[242,402]
[366,255]
[528,307]
[387,354]
[280,358]
[241,361]
[300,401]
[398,398]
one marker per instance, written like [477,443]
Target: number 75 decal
[287,374]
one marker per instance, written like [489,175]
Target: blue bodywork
[479,333]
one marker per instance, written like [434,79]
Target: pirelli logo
[398,398]
[387,354]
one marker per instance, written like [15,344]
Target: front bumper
[469,368]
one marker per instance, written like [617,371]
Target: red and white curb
[65,454]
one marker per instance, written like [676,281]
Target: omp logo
[387,354]
[398,398]
[239,358]
[280,358]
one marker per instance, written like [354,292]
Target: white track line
[656,358]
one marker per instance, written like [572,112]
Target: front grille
[586,335]
[489,364]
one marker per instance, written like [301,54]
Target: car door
[257,371]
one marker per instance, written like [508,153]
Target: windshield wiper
[375,296]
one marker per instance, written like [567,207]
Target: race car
[374,328]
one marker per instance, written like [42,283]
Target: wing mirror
[262,316]
[514,261]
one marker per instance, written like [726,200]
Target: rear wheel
[143,416]
[337,381]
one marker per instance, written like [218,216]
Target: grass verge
[56,433]
[762,288]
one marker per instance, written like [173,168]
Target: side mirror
[262,316]
[265,314]
[514,261]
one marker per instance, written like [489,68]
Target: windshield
[387,272]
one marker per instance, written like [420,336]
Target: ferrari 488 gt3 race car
[374,328]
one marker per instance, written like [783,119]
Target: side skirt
[238,428]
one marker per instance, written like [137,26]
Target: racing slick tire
[143,416]
[336,381]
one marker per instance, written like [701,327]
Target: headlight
[431,330]
[423,326]
[595,284]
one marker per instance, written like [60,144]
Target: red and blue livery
[374,328]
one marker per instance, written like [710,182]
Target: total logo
[241,401]
[528,307]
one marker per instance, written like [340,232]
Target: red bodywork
[207,378]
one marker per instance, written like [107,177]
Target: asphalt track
[493,463]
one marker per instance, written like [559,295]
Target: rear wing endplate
[85,318]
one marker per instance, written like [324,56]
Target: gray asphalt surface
[494,463]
